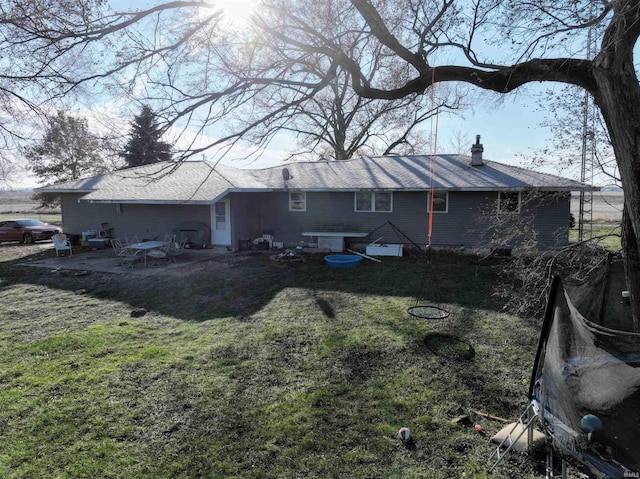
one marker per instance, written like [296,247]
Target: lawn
[606,236]
[245,369]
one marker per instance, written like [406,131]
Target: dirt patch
[18,251]
[215,264]
[43,255]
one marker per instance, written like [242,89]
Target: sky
[506,131]
[510,128]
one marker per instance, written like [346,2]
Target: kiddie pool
[343,260]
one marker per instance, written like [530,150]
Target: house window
[297,201]
[374,201]
[508,202]
[440,201]
[119,208]
[364,201]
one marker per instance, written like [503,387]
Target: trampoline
[585,382]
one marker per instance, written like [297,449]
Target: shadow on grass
[326,307]
[449,346]
[239,285]
[331,357]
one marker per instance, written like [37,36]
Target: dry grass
[242,368]
[15,204]
[606,207]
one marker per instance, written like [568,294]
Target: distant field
[606,206]
[19,204]
[12,202]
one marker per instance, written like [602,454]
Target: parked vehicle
[27,231]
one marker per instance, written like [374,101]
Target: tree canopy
[67,151]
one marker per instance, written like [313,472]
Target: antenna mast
[588,145]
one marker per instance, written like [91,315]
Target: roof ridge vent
[476,153]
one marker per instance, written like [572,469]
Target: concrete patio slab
[105,261]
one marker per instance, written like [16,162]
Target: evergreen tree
[144,145]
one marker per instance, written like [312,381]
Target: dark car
[27,231]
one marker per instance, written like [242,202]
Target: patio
[105,261]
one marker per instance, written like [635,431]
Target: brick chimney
[476,153]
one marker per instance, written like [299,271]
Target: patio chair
[130,240]
[125,254]
[161,254]
[62,243]
[130,257]
[176,249]
[169,238]
[117,245]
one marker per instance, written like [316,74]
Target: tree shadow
[449,346]
[240,285]
[326,307]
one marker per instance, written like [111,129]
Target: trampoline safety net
[586,382]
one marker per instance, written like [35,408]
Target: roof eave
[62,190]
[427,188]
[147,202]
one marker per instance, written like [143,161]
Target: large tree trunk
[631,264]
[618,96]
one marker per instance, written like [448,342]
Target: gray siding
[252,213]
[464,224]
[144,221]
[551,221]
[335,212]
[246,218]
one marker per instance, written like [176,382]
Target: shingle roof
[204,182]
[189,182]
[450,172]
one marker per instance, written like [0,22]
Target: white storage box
[384,249]
[334,243]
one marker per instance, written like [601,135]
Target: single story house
[322,201]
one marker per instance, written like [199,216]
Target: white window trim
[304,200]
[517,210]
[373,202]
[435,212]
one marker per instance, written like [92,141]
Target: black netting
[587,381]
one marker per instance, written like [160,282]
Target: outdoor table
[145,246]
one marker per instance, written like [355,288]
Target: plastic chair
[62,243]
